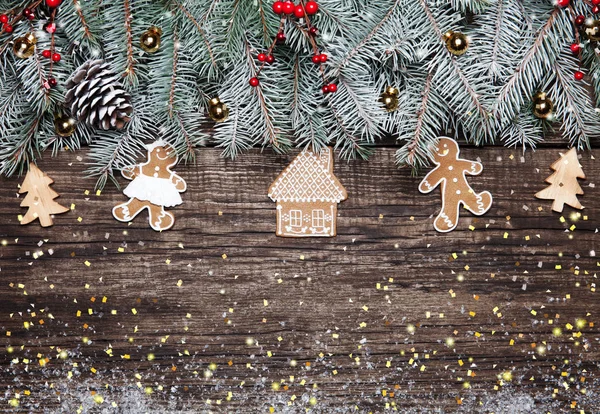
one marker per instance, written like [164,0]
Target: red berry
[595,2]
[323,57]
[26,12]
[325,89]
[53,3]
[254,82]
[578,75]
[270,59]
[278,7]
[281,37]
[52,82]
[31,16]
[3,19]
[299,11]
[8,28]
[56,57]
[50,27]
[47,54]
[288,7]
[595,9]
[311,7]
[579,20]
[261,57]
[316,59]
[562,3]
[332,87]
[575,47]
[313,31]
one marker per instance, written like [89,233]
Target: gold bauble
[150,39]
[389,99]
[592,29]
[542,105]
[24,47]
[217,110]
[457,43]
[64,125]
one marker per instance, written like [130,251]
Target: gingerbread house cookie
[307,194]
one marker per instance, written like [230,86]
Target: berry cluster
[302,10]
[6,26]
[589,28]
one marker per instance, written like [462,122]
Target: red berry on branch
[562,3]
[52,82]
[53,3]
[299,11]
[50,27]
[288,7]
[26,12]
[316,59]
[261,57]
[332,87]
[47,53]
[56,57]
[281,37]
[596,2]
[578,75]
[278,7]
[311,7]
[579,20]
[8,28]
[270,59]
[575,47]
[325,89]
[595,9]
[313,31]
[254,82]
[323,57]
[31,16]
[3,19]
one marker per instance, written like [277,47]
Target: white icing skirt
[159,191]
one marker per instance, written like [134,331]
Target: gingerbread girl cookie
[154,187]
[450,173]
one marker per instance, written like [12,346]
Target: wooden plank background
[219,315]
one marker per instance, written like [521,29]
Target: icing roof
[309,177]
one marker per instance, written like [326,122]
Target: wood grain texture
[358,323]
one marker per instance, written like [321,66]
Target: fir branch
[176,46]
[84,24]
[198,26]
[414,155]
[131,61]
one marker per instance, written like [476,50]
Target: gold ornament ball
[389,99]
[65,126]
[24,47]
[592,29]
[456,43]
[217,110]
[542,105]
[150,39]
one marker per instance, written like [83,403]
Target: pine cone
[96,97]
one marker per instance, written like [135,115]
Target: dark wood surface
[357,323]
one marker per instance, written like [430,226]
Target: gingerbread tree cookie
[307,194]
[450,172]
[564,188]
[40,197]
[154,187]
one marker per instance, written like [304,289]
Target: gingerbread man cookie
[450,173]
[154,187]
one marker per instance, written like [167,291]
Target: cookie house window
[318,218]
[295,218]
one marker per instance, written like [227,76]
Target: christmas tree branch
[414,156]
[84,24]
[202,32]
[131,61]
[171,104]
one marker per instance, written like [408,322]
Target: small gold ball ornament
[456,42]
[217,110]
[150,39]
[64,125]
[24,47]
[542,106]
[389,98]
[592,29]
